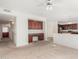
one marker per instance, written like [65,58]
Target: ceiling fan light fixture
[48,3]
[13,22]
[49,7]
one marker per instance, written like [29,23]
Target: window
[5,29]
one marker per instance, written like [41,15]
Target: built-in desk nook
[36,37]
[36,30]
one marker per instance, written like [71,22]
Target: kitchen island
[66,39]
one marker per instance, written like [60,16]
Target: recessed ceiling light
[13,22]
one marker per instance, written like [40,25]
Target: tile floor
[37,50]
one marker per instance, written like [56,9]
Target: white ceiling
[6,18]
[62,8]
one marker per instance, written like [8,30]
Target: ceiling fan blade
[44,3]
[41,4]
[40,1]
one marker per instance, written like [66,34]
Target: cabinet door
[5,34]
[30,24]
[30,38]
[41,26]
[74,26]
[41,36]
[38,25]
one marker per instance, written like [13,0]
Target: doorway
[7,29]
[5,32]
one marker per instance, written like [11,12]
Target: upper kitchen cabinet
[68,28]
[33,24]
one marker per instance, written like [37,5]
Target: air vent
[6,10]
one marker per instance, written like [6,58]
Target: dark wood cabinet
[30,38]
[5,35]
[74,26]
[32,24]
[41,36]
[67,28]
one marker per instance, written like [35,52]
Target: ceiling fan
[47,3]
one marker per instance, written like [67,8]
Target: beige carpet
[37,50]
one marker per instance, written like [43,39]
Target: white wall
[11,31]
[21,31]
[52,28]
[0,32]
